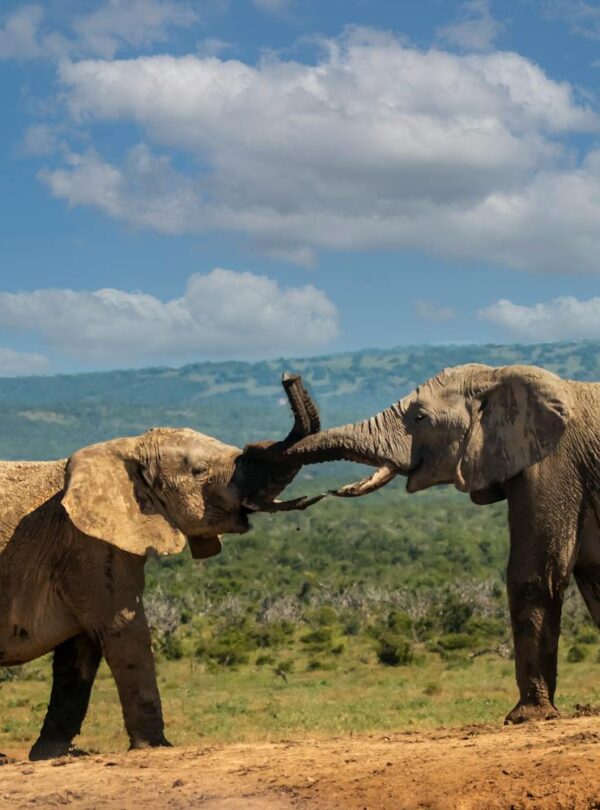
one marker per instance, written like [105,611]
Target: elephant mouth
[411,475]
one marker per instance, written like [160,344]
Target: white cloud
[378,145]
[18,36]
[583,18]
[31,33]
[432,311]
[475,30]
[42,139]
[130,23]
[221,314]
[15,364]
[560,319]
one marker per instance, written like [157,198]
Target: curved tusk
[284,506]
[382,476]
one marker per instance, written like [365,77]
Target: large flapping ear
[106,497]
[515,423]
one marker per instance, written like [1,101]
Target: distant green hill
[46,417]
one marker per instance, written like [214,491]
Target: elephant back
[24,486]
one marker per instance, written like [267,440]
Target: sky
[184,181]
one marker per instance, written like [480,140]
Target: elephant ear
[107,497]
[516,422]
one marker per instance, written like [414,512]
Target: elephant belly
[30,627]
[588,554]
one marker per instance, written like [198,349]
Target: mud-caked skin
[74,537]
[516,432]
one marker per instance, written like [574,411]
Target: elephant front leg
[129,655]
[535,608]
[74,668]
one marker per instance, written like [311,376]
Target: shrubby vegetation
[389,579]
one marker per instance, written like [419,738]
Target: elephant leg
[536,582]
[588,583]
[74,669]
[128,653]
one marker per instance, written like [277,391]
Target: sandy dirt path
[548,765]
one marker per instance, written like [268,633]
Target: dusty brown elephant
[74,536]
[520,433]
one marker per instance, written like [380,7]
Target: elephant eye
[420,417]
[196,471]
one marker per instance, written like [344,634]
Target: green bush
[454,614]
[323,616]
[317,638]
[351,624]
[399,622]
[393,650]
[576,654]
[452,641]
[265,660]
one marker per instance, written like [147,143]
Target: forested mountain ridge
[45,417]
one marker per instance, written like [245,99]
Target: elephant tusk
[382,476]
[284,506]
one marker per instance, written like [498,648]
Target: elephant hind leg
[74,669]
[588,582]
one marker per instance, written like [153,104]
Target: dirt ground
[546,765]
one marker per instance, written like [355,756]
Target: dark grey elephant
[74,536]
[520,433]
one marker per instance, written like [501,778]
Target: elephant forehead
[457,380]
[191,447]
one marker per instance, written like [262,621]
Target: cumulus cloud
[130,23]
[15,364]
[221,314]
[378,144]
[432,311]
[562,318]
[29,33]
[475,30]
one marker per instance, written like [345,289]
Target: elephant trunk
[380,441]
[263,470]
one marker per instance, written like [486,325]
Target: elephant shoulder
[24,487]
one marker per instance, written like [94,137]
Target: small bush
[323,616]
[351,625]
[453,641]
[399,622]
[576,654]
[317,638]
[454,614]
[265,660]
[394,651]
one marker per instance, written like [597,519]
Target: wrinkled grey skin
[519,433]
[74,536]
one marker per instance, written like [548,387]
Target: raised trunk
[375,441]
[263,470]
[380,441]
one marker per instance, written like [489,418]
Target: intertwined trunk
[380,441]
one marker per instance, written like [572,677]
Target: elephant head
[475,426]
[150,493]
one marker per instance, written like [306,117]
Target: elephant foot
[158,742]
[524,712]
[49,749]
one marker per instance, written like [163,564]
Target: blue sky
[257,178]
